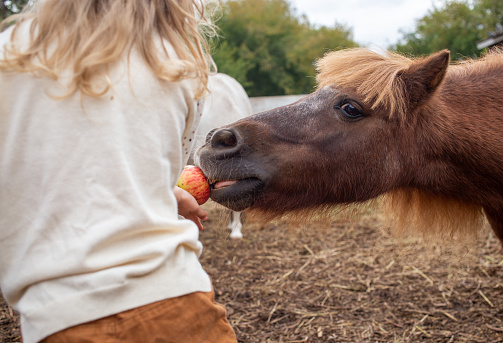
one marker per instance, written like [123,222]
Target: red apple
[193,181]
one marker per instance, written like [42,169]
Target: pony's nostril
[209,135]
[224,138]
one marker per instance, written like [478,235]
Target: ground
[345,281]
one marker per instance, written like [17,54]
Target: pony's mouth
[236,194]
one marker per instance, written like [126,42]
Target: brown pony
[426,134]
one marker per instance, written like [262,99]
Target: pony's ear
[423,76]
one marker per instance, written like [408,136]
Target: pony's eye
[351,111]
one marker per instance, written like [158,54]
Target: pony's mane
[370,74]
[411,212]
[405,213]
[492,60]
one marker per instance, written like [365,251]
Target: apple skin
[194,181]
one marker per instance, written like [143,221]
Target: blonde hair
[374,75]
[412,212]
[88,35]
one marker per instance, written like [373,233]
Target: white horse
[225,103]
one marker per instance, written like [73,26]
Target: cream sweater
[88,218]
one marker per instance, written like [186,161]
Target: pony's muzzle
[225,141]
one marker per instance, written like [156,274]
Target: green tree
[456,25]
[8,7]
[313,44]
[270,50]
[490,13]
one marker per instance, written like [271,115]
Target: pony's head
[425,134]
[344,143]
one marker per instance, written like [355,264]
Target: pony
[226,102]
[423,135]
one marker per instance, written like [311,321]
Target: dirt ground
[345,281]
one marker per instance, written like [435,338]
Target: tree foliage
[269,49]
[490,13]
[8,7]
[456,25]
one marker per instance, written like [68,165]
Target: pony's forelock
[371,74]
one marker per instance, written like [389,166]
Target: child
[98,105]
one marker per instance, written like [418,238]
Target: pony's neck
[454,156]
[460,135]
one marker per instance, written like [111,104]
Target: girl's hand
[189,208]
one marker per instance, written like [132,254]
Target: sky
[373,22]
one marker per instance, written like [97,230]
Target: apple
[194,181]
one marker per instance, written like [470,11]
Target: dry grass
[350,282]
[346,282]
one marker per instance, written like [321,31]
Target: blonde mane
[90,35]
[490,61]
[412,212]
[371,74]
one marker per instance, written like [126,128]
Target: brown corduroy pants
[187,319]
